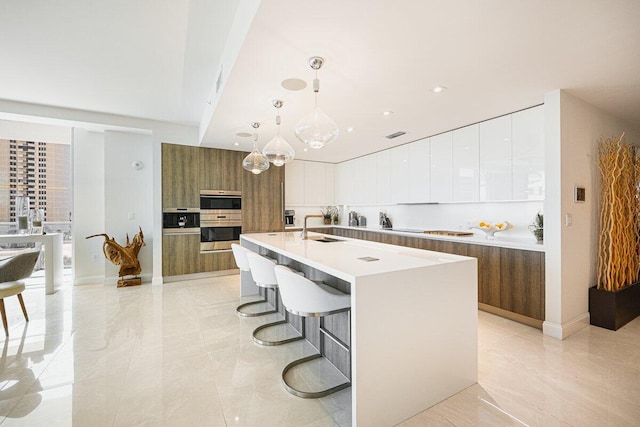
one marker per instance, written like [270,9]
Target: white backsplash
[444,216]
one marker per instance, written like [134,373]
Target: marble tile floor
[177,354]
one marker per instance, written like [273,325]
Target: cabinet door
[343,183]
[369,167]
[330,183]
[263,201]
[528,154]
[466,164]
[495,159]
[217,261]
[399,174]
[357,167]
[383,178]
[221,169]
[294,183]
[442,167]
[315,184]
[180,254]
[180,165]
[419,171]
[522,282]
[489,281]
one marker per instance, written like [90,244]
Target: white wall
[573,129]
[88,205]
[24,131]
[128,194]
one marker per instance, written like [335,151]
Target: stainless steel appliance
[220,219]
[362,221]
[181,221]
[353,219]
[289,217]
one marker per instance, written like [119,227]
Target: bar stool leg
[272,324]
[247,304]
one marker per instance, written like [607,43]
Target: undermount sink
[325,239]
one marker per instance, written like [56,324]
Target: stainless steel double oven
[220,219]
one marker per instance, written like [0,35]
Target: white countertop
[502,241]
[341,259]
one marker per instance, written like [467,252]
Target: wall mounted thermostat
[579,195]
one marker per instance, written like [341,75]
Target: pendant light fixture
[278,151]
[316,129]
[255,162]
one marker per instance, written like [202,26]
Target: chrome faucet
[304,227]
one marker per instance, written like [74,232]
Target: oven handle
[213,224]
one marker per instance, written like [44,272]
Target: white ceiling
[158,59]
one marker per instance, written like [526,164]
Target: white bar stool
[262,270]
[305,298]
[240,255]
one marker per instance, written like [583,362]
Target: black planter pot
[613,310]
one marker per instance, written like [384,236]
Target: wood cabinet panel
[180,254]
[180,165]
[220,169]
[217,261]
[522,282]
[263,201]
[489,279]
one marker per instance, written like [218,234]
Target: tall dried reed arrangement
[618,257]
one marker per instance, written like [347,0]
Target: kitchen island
[413,319]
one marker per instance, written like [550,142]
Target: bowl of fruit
[490,228]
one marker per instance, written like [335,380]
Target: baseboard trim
[157,280]
[195,276]
[529,321]
[565,330]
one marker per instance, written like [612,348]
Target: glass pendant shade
[316,129]
[255,162]
[278,151]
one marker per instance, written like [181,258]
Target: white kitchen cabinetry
[495,159]
[399,174]
[344,183]
[359,182]
[309,183]
[383,177]
[466,164]
[419,171]
[369,166]
[442,167]
[294,183]
[528,154]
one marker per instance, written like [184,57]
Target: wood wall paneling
[180,254]
[263,201]
[221,169]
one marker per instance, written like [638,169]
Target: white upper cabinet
[329,184]
[419,171]
[466,164]
[442,167]
[369,167]
[359,181]
[399,176]
[343,183]
[495,159]
[294,183]
[528,154]
[383,177]
[309,183]
[315,184]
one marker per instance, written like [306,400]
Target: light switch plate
[579,194]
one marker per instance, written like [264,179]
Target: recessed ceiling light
[243,134]
[387,113]
[349,130]
[236,144]
[438,89]
[293,84]
[306,149]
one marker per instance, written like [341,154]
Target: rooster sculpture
[124,256]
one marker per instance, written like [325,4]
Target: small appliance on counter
[353,219]
[362,221]
[289,218]
[385,222]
